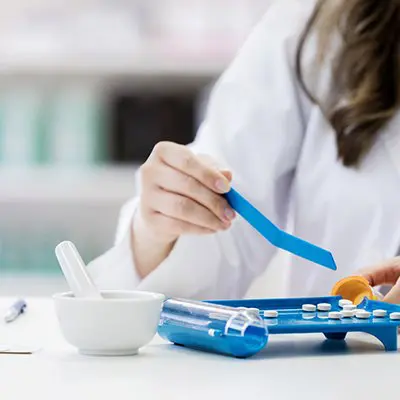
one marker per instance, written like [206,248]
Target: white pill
[309,315]
[324,307]
[347,313]
[309,307]
[363,314]
[345,302]
[335,315]
[270,314]
[349,307]
[379,313]
[395,316]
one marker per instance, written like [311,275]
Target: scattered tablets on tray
[345,302]
[379,313]
[324,307]
[309,307]
[335,315]
[349,310]
[395,316]
[349,307]
[362,314]
[347,313]
[309,315]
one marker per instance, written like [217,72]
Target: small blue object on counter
[15,311]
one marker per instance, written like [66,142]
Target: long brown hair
[365,70]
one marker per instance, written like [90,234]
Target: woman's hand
[387,273]
[181,194]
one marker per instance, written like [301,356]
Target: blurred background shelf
[87,87]
[40,207]
[102,185]
[129,38]
[147,64]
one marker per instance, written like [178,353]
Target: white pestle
[75,273]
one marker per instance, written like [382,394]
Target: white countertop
[291,367]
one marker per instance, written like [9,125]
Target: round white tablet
[309,307]
[345,302]
[324,307]
[363,314]
[335,315]
[270,314]
[379,313]
[395,316]
[347,313]
[349,307]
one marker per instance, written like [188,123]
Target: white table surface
[291,367]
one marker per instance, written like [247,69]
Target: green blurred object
[20,109]
[42,152]
[24,254]
[1,131]
[77,136]
[63,127]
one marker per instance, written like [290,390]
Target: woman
[305,124]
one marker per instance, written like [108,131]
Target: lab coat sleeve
[255,126]
[115,268]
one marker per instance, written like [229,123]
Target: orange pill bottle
[355,289]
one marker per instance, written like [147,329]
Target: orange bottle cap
[353,288]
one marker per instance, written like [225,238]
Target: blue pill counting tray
[238,327]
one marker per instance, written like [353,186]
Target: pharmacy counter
[292,367]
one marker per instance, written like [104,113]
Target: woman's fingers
[181,194]
[205,158]
[176,182]
[394,295]
[178,227]
[181,188]
[184,209]
[182,159]
[386,273]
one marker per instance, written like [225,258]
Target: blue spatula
[276,236]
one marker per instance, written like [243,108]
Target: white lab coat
[283,156]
